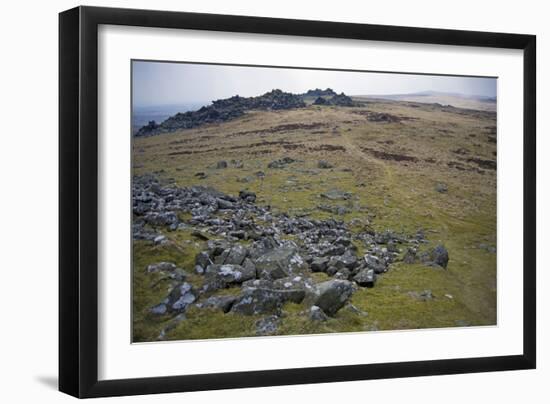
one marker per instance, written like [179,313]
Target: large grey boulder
[181,297]
[365,277]
[319,264]
[331,296]
[347,260]
[234,255]
[267,325]
[161,218]
[222,303]
[438,256]
[262,300]
[317,314]
[375,263]
[161,267]
[277,263]
[203,259]
[248,196]
[177,301]
[224,204]
[217,247]
[227,274]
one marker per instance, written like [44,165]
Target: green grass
[386,195]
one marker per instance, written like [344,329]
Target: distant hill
[478,102]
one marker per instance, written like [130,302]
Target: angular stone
[248,196]
[180,297]
[228,274]
[267,325]
[203,259]
[373,262]
[317,314]
[261,301]
[319,264]
[365,277]
[276,263]
[161,218]
[332,295]
[224,204]
[222,303]
[161,267]
[235,255]
[440,256]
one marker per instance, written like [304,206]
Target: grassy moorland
[407,165]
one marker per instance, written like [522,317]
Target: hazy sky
[157,83]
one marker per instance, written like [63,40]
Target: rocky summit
[224,110]
[235,107]
[267,260]
[337,100]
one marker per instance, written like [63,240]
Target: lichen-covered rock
[277,263]
[228,274]
[161,267]
[440,256]
[263,300]
[332,295]
[203,259]
[317,314]
[365,277]
[222,303]
[374,263]
[319,264]
[161,218]
[347,260]
[248,196]
[267,325]
[177,301]
[234,255]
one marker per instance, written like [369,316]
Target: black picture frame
[78,201]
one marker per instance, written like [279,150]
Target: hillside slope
[403,168]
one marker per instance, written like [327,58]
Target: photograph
[288,200]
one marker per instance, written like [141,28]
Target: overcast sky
[158,83]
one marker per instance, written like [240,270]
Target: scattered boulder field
[266,259]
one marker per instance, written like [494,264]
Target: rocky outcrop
[223,110]
[341,100]
[320,93]
[228,109]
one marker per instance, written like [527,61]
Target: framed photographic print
[250,201]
